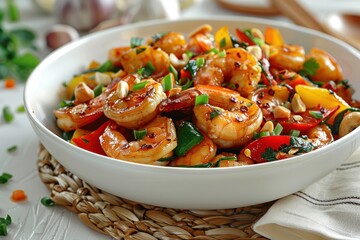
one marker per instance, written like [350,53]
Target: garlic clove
[59,35]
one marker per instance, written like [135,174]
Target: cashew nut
[177,63]
[349,123]
[122,89]
[281,112]
[83,93]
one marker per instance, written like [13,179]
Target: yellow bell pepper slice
[313,96]
[78,133]
[223,39]
[273,36]
[88,78]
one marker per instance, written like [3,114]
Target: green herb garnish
[47,201]
[8,116]
[12,149]
[215,113]
[201,99]
[139,86]
[136,42]
[140,134]
[310,67]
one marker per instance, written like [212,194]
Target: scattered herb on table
[12,149]
[47,201]
[5,177]
[4,222]
[8,116]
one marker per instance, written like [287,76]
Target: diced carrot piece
[18,195]
[9,83]
[273,37]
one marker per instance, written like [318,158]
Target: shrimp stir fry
[208,99]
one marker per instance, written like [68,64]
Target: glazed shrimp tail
[159,142]
[136,108]
[70,118]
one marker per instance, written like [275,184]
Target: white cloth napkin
[328,209]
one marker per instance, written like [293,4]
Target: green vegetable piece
[67,135]
[148,69]
[316,114]
[24,36]
[339,118]
[174,72]
[222,54]
[105,67]
[12,149]
[201,99]
[230,158]
[167,159]
[167,83]
[278,129]
[7,114]
[8,220]
[215,113]
[188,137]
[200,62]
[136,42]
[98,89]
[140,134]
[139,86]
[65,103]
[47,201]
[193,66]
[5,177]
[264,133]
[27,60]
[3,229]
[294,133]
[222,43]
[187,84]
[310,67]
[20,109]
[13,11]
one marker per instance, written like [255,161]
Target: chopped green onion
[20,109]
[230,158]
[105,67]
[47,201]
[200,62]
[166,159]
[229,85]
[167,82]
[222,53]
[222,43]
[258,41]
[7,114]
[3,229]
[256,135]
[278,129]
[189,54]
[139,86]
[148,69]
[13,11]
[174,72]
[140,50]
[316,114]
[140,134]
[264,133]
[187,84]
[136,41]
[188,136]
[12,149]
[98,89]
[67,135]
[213,50]
[65,103]
[294,133]
[215,113]
[5,177]
[201,99]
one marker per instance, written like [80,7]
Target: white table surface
[32,220]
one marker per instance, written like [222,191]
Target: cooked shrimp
[320,135]
[159,142]
[137,108]
[270,97]
[329,68]
[238,67]
[290,57]
[200,154]
[229,119]
[133,59]
[72,117]
[171,42]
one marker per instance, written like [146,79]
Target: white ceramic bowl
[188,188]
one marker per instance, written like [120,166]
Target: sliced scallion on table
[12,149]
[5,177]
[20,109]
[8,116]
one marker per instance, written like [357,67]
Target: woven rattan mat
[124,219]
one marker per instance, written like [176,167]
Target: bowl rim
[176,170]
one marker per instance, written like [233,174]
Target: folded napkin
[328,209]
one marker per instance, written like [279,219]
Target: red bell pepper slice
[243,37]
[259,146]
[307,122]
[91,141]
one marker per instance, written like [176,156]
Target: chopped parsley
[310,67]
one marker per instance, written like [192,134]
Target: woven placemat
[125,219]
